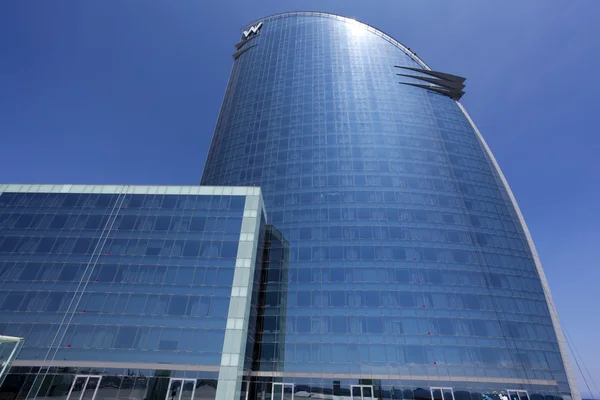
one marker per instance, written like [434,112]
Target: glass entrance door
[282,391]
[442,393]
[84,387]
[518,395]
[361,392]
[181,389]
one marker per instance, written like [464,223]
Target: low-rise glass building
[128,292]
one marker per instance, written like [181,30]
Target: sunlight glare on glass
[356,28]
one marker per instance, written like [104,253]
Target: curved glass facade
[410,273]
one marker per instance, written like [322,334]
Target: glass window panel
[46,244]
[179,306]
[162,223]
[229,249]
[83,245]
[107,273]
[95,302]
[12,301]
[126,338]
[154,247]
[137,303]
[219,306]
[30,272]
[169,339]
[191,248]
[185,275]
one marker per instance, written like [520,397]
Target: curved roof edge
[370,28]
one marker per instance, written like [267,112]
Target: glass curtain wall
[107,288]
[409,274]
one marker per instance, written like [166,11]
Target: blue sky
[129,92]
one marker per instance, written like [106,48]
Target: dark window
[55,300]
[135,201]
[374,324]
[69,272]
[406,299]
[95,222]
[83,246]
[446,326]
[12,385]
[233,225]
[8,244]
[7,199]
[12,301]
[224,277]
[169,202]
[229,249]
[71,200]
[303,299]
[105,200]
[154,247]
[30,272]
[45,245]
[107,273]
[127,222]
[162,223]
[178,306]
[479,327]
[126,338]
[398,253]
[197,224]
[372,299]
[24,221]
[237,202]
[59,221]
[191,248]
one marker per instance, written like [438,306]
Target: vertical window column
[236,331]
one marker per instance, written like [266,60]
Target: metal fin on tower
[446,84]
[240,52]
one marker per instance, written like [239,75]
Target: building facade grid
[409,260]
[125,291]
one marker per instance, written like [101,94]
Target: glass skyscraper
[411,273]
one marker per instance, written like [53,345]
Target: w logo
[252,31]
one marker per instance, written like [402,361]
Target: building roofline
[340,17]
[132,189]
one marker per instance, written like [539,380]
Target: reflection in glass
[90,389]
[181,389]
[78,387]
[174,390]
[187,392]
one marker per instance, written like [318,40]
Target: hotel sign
[253,30]
[246,36]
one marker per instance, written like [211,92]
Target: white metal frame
[441,389]
[519,393]
[283,385]
[5,364]
[362,393]
[87,380]
[183,382]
